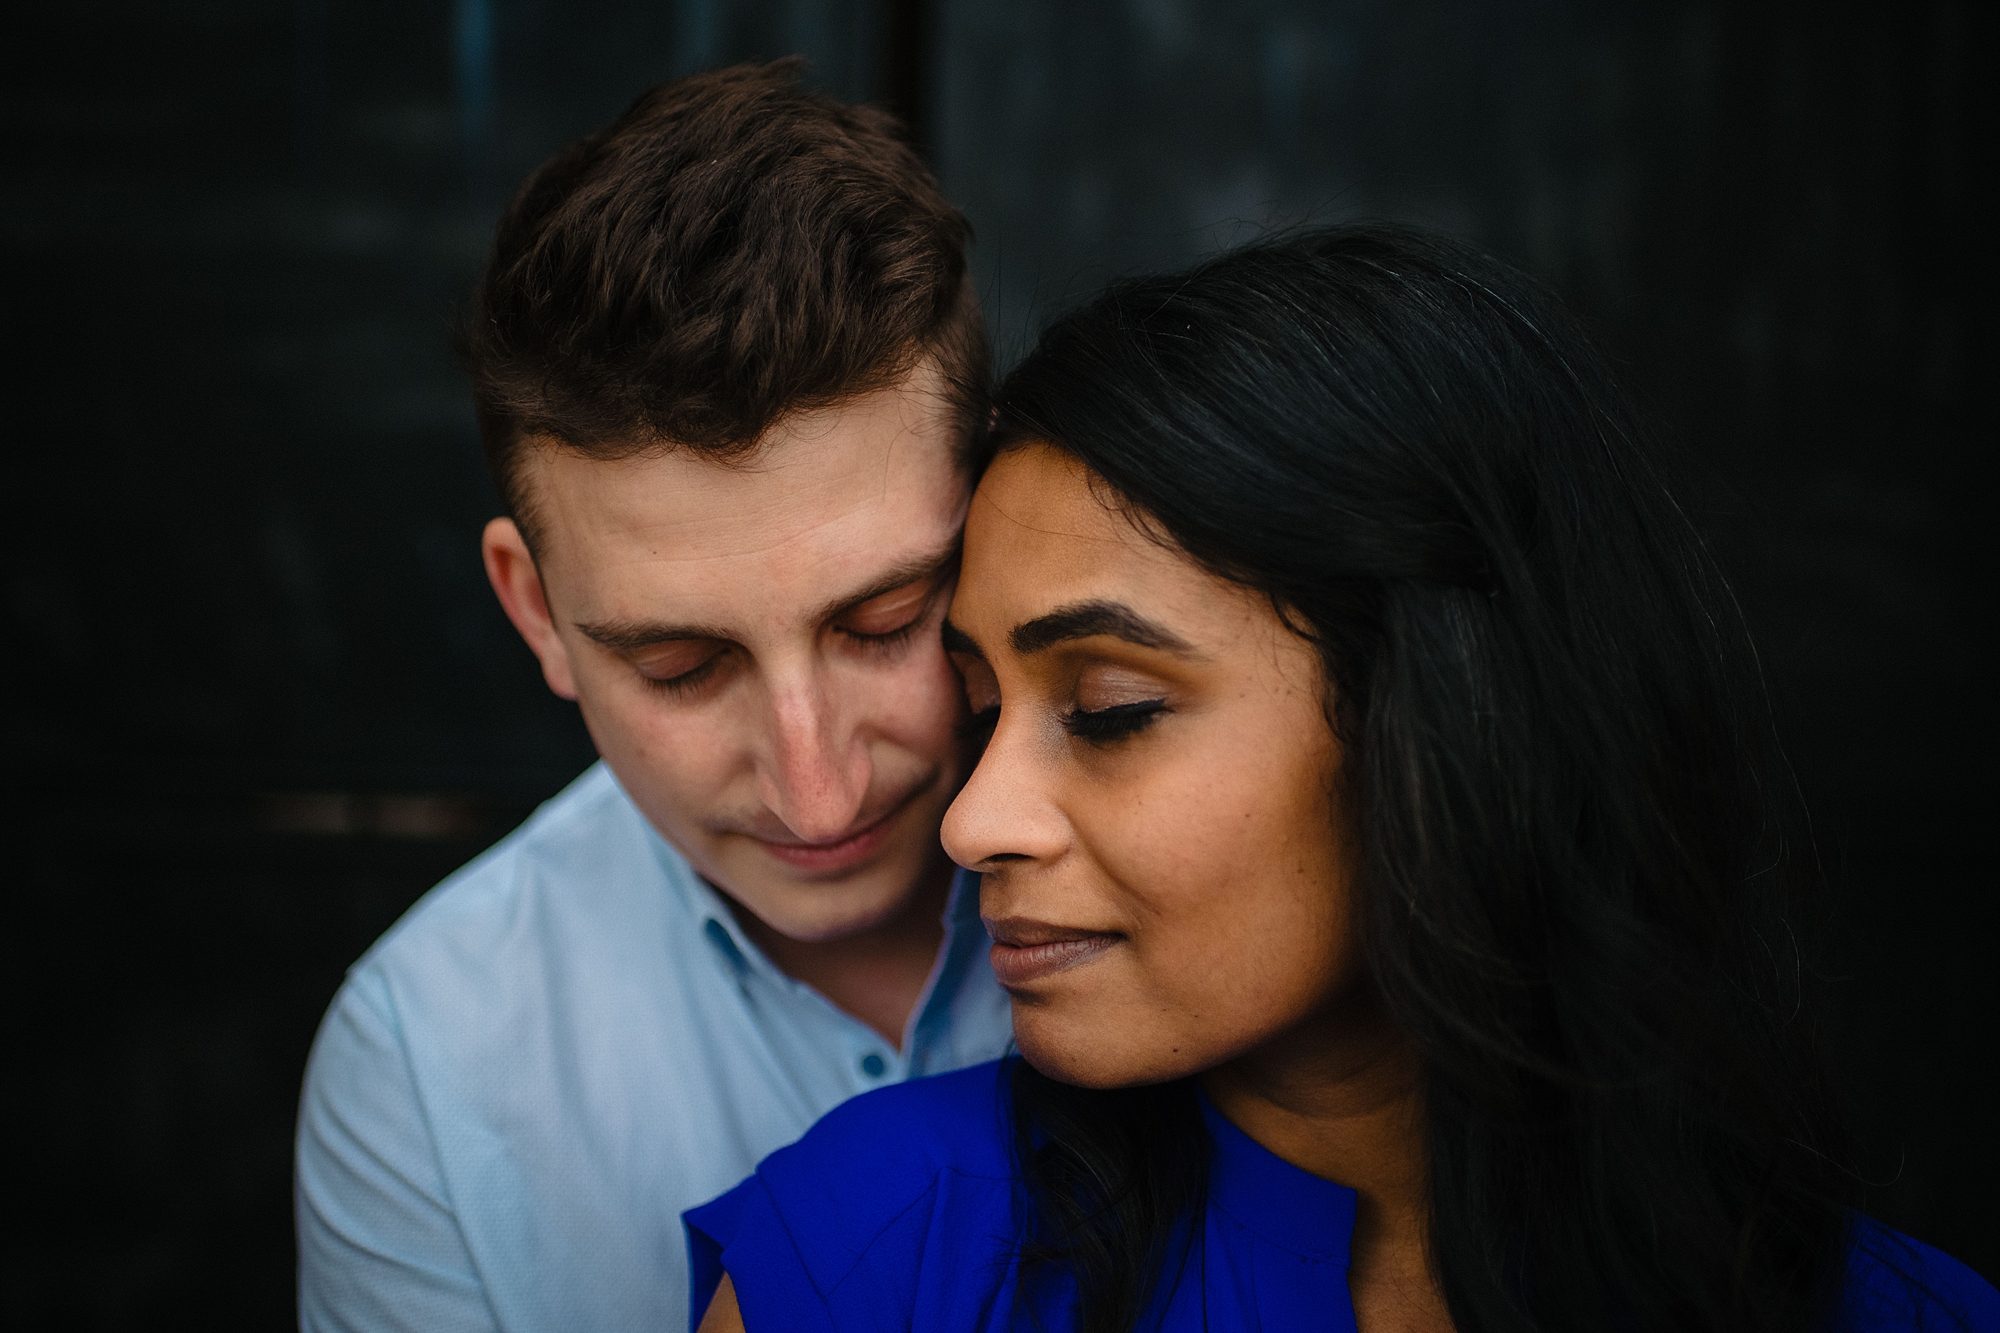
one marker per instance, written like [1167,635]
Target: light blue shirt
[560,1048]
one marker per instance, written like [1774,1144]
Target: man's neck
[877,974]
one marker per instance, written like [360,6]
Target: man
[728,368]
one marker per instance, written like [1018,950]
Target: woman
[1377,852]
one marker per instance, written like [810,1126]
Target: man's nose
[816,773]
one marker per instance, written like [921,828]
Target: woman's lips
[1028,951]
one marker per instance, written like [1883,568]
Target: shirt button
[873,1065]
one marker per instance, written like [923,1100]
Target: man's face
[756,651]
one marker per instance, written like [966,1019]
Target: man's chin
[820,912]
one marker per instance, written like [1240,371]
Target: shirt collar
[1293,1209]
[958,956]
[705,905]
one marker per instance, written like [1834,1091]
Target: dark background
[260,698]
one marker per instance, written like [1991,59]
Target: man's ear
[518,585]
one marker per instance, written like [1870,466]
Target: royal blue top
[899,1211]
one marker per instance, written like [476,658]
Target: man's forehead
[884,456]
[805,523]
[748,596]
[680,508]
[647,610]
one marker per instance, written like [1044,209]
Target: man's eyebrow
[1083,620]
[901,575]
[630,635]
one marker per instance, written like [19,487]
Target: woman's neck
[1341,1096]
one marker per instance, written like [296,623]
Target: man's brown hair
[734,248]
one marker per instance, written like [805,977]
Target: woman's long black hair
[1578,898]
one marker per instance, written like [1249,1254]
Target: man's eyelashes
[696,676]
[888,639]
[687,681]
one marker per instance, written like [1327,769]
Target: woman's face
[1166,864]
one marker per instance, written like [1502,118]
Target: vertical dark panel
[907,35]
[473,58]
[310,82]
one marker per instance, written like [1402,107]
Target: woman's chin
[1090,1061]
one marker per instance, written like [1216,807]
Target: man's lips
[822,858]
[1025,951]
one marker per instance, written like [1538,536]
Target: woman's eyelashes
[1111,702]
[1106,723]
[1102,726]
[982,690]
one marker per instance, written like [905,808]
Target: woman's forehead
[1045,532]
[1040,491]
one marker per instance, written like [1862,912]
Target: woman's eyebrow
[1084,620]
[957,640]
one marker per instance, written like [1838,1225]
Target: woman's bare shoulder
[724,1315]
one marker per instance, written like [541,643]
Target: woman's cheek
[1237,887]
[1178,858]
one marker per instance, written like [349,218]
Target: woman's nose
[1007,809]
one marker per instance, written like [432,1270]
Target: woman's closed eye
[1114,722]
[982,691]
[1112,702]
